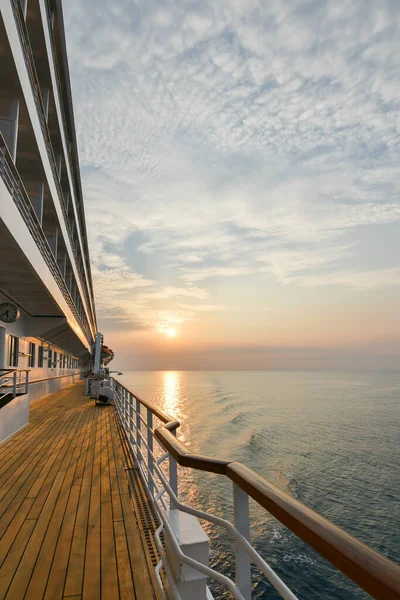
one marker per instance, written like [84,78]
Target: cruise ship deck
[67,522]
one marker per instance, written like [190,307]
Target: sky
[240,169]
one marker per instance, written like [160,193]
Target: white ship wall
[45,269]
[42,380]
[14,416]
[18,57]
[15,224]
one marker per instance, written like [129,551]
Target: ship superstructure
[47,312]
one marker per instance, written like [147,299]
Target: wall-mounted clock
[9,313]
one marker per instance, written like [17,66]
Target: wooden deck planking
[67,526]
[29,480]
[16,447]
[30,463]
[37,584]
[75,570]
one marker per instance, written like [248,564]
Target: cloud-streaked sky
[240,165]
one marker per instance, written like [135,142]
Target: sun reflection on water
[171,392]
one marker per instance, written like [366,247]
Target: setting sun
[171,332]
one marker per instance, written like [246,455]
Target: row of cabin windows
[36,356]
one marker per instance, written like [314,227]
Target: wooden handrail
[370,570]
[32,381]
[13,369]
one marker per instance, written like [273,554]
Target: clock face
[9,313]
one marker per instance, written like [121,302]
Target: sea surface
[330,439]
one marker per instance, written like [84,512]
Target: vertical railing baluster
[121,402]
[150,464]
[130,420]
[14,384]
[173,473]
[2,161]
[26,382]
[138,440]
[242,524]
[126,411]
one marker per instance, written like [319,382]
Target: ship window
[13,346]
[49,357]
[40,357]
[32,355]
[55,360]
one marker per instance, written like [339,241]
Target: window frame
[13,351]
[32,355]
[40,359]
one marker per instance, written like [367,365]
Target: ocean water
[330,439]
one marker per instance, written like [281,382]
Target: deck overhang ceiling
[20,282]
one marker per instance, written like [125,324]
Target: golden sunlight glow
[171,388]
[171,332]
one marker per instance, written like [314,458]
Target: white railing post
[194,543]
[138,439]
[130,419]
[14,384]
[26,382]
[173,473]
[124,395]
[2,161]
[150,465]
[242,524]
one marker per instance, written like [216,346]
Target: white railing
[161,482]
[151,435]
[13,382]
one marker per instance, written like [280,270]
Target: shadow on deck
[67,524]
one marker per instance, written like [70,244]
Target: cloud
[240,139]
[127,298]
[207,307]
[173,292]
[361,280]
[200,274]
